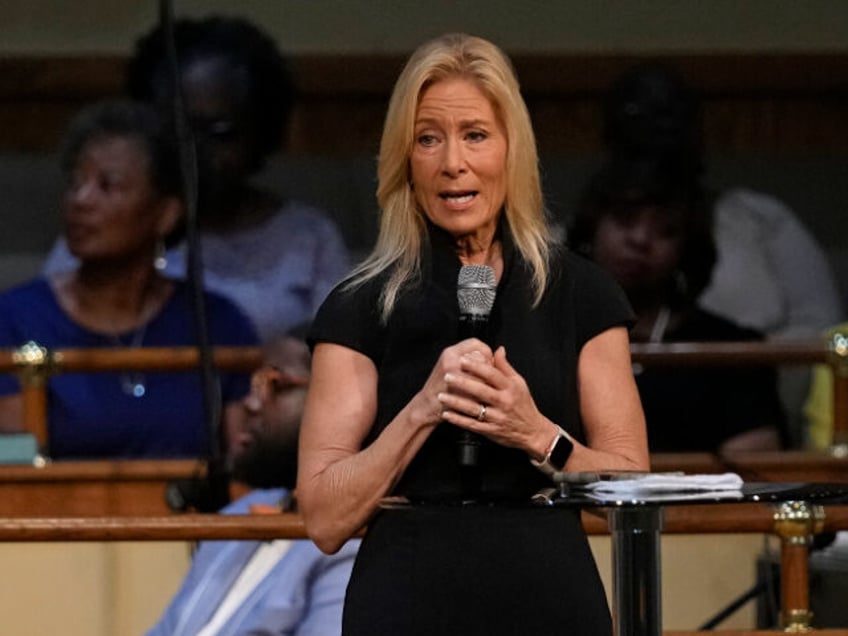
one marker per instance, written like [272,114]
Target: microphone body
[475,291]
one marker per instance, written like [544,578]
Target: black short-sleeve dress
[499,566]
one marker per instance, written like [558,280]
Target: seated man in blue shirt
[264,587]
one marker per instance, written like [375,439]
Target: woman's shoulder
[34,297]
[593,296]
[353,299]
[31,311]
[350,316]
[563,258]
[358,288]
[32,288]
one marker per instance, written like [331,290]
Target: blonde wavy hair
[402,222]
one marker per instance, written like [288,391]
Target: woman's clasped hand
[488,396]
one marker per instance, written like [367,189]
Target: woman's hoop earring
[160,259]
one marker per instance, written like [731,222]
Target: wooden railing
[138,487]
[795,523]
[34,364]
[754,518]
[832,351]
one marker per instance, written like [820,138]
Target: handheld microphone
[475,292]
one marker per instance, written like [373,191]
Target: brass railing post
[795,522]
[838,361]
[34,365]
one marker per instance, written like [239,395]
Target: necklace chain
[660,324]
[658,330]
[132,383]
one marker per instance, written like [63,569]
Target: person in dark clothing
[647,221]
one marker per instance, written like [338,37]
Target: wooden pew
[92,488]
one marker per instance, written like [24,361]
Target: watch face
[561,452]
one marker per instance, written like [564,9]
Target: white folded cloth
[667,483]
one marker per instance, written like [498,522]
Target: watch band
[557,455]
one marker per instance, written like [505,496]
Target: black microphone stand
[215,492]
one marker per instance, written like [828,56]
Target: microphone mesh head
[475,289]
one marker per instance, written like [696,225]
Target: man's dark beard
[267,464]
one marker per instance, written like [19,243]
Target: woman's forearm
[344,490]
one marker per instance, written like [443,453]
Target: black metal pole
[217,493]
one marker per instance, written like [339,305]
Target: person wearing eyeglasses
[264,587]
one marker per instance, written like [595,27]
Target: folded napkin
[667,483]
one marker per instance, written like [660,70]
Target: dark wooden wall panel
[753,103]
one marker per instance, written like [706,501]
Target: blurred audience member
[771,275]
[265,587]
[649,226]
[277,259]
[121,200]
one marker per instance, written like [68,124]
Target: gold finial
[837,360]
[796,523]
[34,362]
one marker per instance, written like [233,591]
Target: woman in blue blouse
[121,200]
